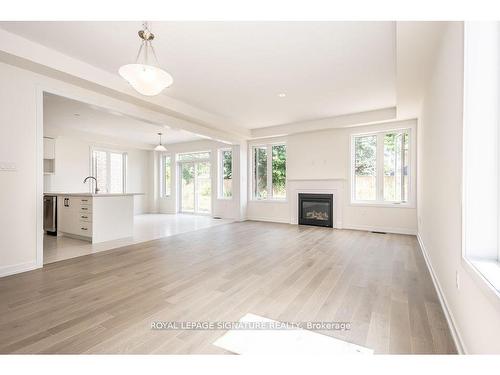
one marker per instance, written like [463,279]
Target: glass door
[187,187]
[203,188]
[196,187]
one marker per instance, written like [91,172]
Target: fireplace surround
[315,209]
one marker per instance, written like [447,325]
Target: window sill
[224,199]
[486,274]
[269,200]
[381,204]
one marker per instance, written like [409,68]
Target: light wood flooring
[105,302]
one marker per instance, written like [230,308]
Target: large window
[225,174]
[109,168]
[166,175]
[380,167]
[481,158]
[269,171]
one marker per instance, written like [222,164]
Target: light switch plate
[7,166]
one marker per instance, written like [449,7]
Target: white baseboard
[340,226]
[268,219]
[442,299]
[370,228]
[18,268]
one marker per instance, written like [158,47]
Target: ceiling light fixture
[160,147]
[282,95]
[145,78]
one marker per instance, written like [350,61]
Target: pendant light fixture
[144,75]
[160,147]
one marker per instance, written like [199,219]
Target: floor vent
[373,231]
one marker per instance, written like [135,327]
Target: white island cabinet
[95,217]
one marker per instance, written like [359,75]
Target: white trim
[18,268]
[267,220]
[39,177]
[392,230]
[483,283]
[459,344]
[269,200]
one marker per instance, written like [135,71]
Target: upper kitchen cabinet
[49,155]
[49,148]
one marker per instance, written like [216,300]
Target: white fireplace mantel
[317,186]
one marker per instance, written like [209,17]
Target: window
[109,168]
[166,175]
[269,172]
[481,151]
[225,174]
[365,168]
[380,167]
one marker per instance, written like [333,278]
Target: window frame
[269,150]
[109,151]
[480,259]
[379,201]
[220,173]
[163,185]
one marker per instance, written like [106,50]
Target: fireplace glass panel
[316,211]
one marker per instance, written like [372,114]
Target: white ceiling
[63,116]
[237,69]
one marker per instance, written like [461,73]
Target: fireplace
[316,209]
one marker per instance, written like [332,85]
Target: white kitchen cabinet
[75,216]
[95,217]
[49,148]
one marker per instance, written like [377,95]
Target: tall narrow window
[166,166]
[380,172]
[116,172]
[269,172]
[109,168]
[100,169]
[396,166]
[225,173]
[260,172]
[279,171]
[365,168]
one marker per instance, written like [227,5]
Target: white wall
[224,208]
[18,189]
[73,165]
[324,155]
[475,316]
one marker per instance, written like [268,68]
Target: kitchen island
[95,217]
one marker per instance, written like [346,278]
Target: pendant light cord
[145,44]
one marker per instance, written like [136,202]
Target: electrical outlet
[457,280]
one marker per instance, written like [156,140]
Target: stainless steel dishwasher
[50,214]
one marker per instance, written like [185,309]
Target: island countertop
[90,194]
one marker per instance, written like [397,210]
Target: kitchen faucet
[95,179]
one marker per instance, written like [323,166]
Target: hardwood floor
[105,302]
